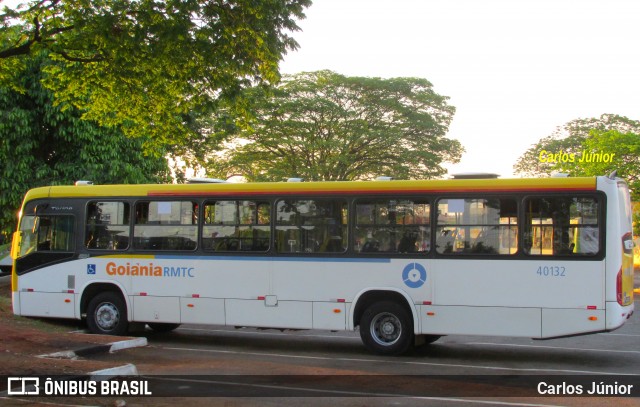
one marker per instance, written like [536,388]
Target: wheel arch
[372,295]
[92,289]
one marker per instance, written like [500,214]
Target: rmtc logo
[414,275]
[91,269]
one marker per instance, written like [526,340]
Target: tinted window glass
[231,226]
[107,226]
[477,226]
[392,226]
[47,234]
[165,225]
[557,226]
[311,226]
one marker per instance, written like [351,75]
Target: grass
[46,325]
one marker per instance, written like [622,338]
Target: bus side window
[562,226]
[232,226]
[477,226]
[107,226]
[166,226]
[393,226]
[311,226]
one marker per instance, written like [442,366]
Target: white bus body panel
[44,304]
[303,294]
[563,322]
[616,315]
[286,314]
[156,309]
[329,315]
[338,282]
[202,311]
[48,293]
[548,297]
[444,320]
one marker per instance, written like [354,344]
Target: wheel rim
[386,329]
[107,316]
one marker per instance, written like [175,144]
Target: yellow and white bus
[405,261]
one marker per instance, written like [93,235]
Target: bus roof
[319,188]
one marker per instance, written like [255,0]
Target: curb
[96,349]
[106,374]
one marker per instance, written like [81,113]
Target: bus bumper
[617,315]
[15,301]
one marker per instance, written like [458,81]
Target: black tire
[162,327]
[386,328]
[107,314]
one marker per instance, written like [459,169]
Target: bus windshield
[27,236]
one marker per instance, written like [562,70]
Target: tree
[326,126]
[574,148]
[569,139]
[145,64]
[42,144]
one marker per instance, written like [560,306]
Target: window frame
[254,199]
[424,199]
[517,199]
[350,203]
[601,199]
[137,238]
[346,227]
[129,224]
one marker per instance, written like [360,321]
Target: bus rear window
[562,226]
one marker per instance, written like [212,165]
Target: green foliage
[325,126]
[570,139]
[610,134]
[147,65]
[636,225]
[44,144]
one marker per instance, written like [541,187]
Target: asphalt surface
[213,365]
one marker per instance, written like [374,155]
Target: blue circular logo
[414,275]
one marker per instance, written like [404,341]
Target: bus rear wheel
[107,314]
[386,328]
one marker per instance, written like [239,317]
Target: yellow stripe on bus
[127,256]
[319,188]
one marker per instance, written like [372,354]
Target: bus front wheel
[107,314]
[386,328]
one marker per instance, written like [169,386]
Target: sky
[514,70]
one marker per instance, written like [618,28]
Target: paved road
[468,369]
[249,367]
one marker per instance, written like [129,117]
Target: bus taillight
[619,295]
